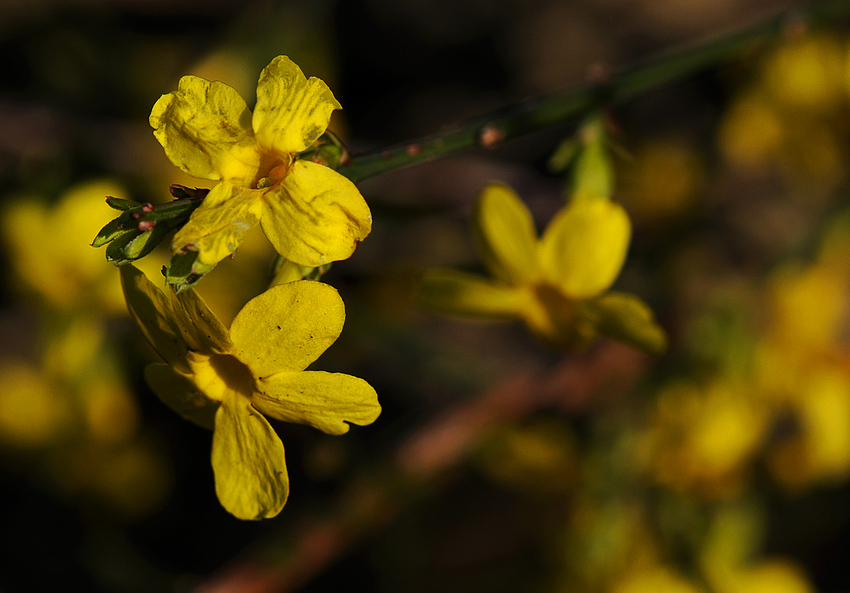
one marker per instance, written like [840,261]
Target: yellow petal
[585,246]
[199,326]
[287,327]
[626,318]
[33,413]
[152,311]
[248,462]
[458,293]
[179,393]
[315,216]
[205,129]
[291,111]
[323,400]
[218,226]
[505,234]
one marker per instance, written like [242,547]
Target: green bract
[226,380]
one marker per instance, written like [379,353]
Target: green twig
[558,108]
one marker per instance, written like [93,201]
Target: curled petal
[315,216]
[458,293]
[205,129]
[218,226]
[151,310]
[585,246]
[326,401]
[287,327]
[626,318]
[292,111]
[505,234]
[179,393]
[248,462]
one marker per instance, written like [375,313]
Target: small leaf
[109,232]
[121,204]
[117,249]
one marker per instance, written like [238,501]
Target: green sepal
[563,156]
[141,227]
[135,244]
[328,150]
[122,204]
[184,271]
[593,172]
[108,233]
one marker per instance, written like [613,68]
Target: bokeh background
[498,464]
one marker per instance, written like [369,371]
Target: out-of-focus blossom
[702,438]
[663,181]
[656,579]
[558,284]
[789,122]
[49,247]
[538,458]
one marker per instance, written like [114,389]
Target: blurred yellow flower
[50,247]
[222,379]
[702,437]
[657,579]
[808,73]
[809,306]
[818,450]
[770,576]
[558,284]
[663,180]
[310,213]
[32,413]
[788,121]
[540,458]
[752,131]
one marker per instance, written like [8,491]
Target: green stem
[559,108]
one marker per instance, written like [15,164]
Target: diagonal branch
[543,112]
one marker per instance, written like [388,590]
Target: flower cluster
[227,380]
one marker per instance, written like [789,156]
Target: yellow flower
[310,213]
[556,284]
[49,251]
[225,380]
[657,579]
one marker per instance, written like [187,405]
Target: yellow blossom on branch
[226,380]
[310,213]
[558,284]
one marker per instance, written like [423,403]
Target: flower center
[215,375]
[272,170]
[557,319]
